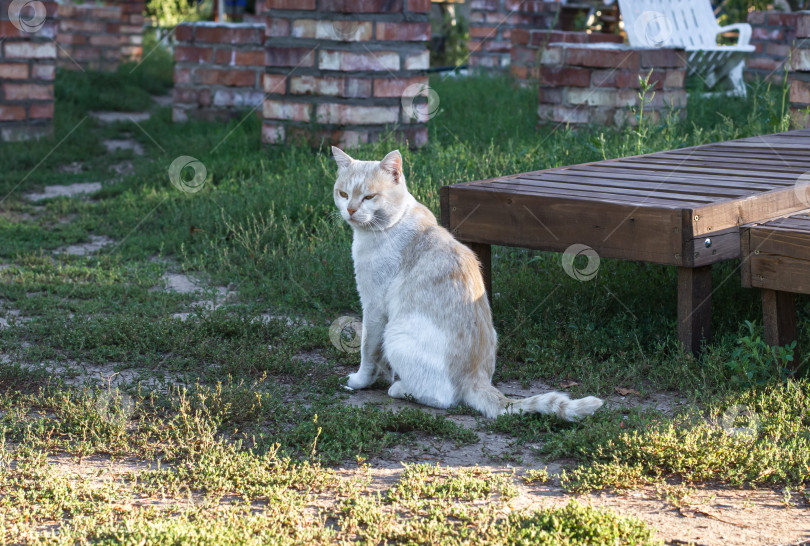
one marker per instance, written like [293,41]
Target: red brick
[184,95]
[277,26]
[663,58]
[275,84]
[418,61]
[803,26]
[550,95]
[286,110]
[777,50]
[602,58]
[801,60]
[290,56]
[14,71]
[413,32]
[290,4]
[191,54]
[781,19]
[41,111]
[184,33]
[29,50]
[520,36]
[498,46]
[327,86]
[675,79]
[112,28]
[486,32]
[11,113]
[361,6]
[761,33]
[484,5]
[111,40]
[182,75]
[395,87]
[354,61]
[8,30]
[28,91]
[565,77]
[422,6]
[229,35]
[349,114]
[230,78]
[762,63]
[799,92]
[240,58]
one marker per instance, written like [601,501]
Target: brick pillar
[774,35]
[89,37]
[218,69]
[528,45]
[599,83]
[346,71]
[132,22]
[492,23]
[799,74]
[27,69]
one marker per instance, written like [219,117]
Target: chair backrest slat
[677,23]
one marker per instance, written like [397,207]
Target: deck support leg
[778,317]
[484,254]
[694,307]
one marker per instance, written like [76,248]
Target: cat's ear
[392,164]
[342,158]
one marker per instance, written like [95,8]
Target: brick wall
[773,34]
[89,36]
[527,48]
[492,23]
[219,69]
[132,22]
[27,69]
[599,83]
[337,70]
[799,75]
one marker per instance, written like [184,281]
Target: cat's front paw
[359,381]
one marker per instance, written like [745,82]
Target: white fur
[426,318]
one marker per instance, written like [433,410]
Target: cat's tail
[491,402]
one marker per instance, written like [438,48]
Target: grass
[239,434]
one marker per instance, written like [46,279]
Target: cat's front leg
[370,352]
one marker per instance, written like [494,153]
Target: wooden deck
[776,258]
[680,207]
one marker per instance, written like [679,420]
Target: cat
[426,318]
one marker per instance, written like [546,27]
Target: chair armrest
[744,30]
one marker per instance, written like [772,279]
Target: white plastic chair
[689,24]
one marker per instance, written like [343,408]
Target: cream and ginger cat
[426,318]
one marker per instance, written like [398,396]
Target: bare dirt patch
[96,243]
[70,190]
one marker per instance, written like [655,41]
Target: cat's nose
[351,211]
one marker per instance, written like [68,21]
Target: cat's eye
[343,194]
[367,197]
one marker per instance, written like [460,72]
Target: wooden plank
[707,250]
[723,215]
[780,259]
[745,256]
[704,171]
[589,195]
[718,167]
[694,307]
[667,186]
[650,234]
[779,318]
[724,153]
[756,183]
[761,163]
[641,194]
[444,207]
